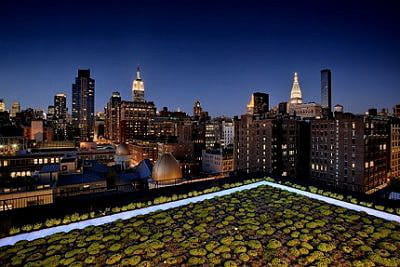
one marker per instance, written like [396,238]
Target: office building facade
[83,91]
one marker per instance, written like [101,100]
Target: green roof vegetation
[258,227]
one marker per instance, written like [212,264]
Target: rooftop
[79,178]
[260,226]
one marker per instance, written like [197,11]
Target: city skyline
[199,57]
[199,133]
[98,108]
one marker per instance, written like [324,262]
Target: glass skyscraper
[326,99]
[83,105]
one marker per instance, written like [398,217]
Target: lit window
[45,160]
[366,164]
[35,161]
[40,161]
[5,163]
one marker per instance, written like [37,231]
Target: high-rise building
[138,87]
[60,107]
[83,105]
[212,134]
[15,108]
[295,93]
[112,117]
[50,113]
[326,90]
[283,108]
[259,104]
[228,133]
[396,110]
[2,105]
[99,127]
[135,120]
[350,151]
[165,124]
[253,144]
[60,116]
[197,110]
[291,147]
[394,147]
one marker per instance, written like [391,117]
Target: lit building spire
[295,94]
[138,87]
[138,73]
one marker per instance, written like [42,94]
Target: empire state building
[138,87]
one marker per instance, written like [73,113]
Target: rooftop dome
[122,150]
[166,169]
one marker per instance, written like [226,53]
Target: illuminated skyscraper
[138,87]
[295,94]
[60,107]
[112,113]
[15,108]
[326,100]
[197,110]
[83,105]
[60,116]
[2,105]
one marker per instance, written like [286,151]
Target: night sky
[216,51]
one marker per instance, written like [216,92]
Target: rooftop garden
[259,227]
[166,196]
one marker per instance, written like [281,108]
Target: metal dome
[166,169]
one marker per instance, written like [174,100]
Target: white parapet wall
[11,240]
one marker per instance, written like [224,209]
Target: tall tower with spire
[138,87]
[295,94]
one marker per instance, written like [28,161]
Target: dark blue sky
[215,51]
